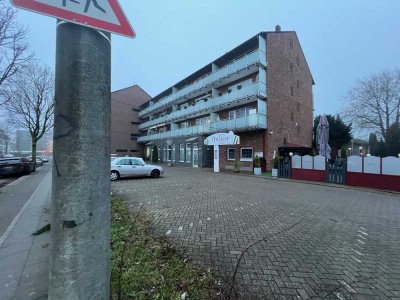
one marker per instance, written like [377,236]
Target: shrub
[275,162]
[256,162]
[236,167]
[154,157]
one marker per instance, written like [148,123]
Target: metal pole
[80,223]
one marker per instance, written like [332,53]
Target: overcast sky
[342,40]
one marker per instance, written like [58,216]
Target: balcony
[245,94]
[215,79]
[250,122]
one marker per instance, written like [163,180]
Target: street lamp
[350,152]
[291,154]
[398,155]
[360,150]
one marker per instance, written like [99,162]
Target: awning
[191,139]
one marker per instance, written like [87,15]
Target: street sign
[105,15]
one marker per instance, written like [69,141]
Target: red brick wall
[283,109]
[122,115]
[253,139]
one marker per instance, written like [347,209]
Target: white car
[133,167]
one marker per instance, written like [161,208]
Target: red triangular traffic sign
[105,15]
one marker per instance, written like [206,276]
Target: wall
[281,104]
[122,117]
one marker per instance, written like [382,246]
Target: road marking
[355,258]
[140,204]
[361,242]
[191,224]
[208,219]
[361,237]
[364,233]
[349,288]
[236,209]
[180,228]
[18,216]
[168,232]
[358,252]
[363,228]
[241,208]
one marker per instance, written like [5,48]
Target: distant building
[357,147]
[261,90]
[125,106]
[4,143]
[23,142]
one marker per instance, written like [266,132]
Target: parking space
[282,239]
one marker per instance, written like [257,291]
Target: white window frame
[181,150]
[227,154]
[246,158]
[169,153]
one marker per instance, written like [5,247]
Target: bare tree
[373,104]
[14,53]
[31,102]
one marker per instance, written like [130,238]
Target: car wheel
[114,175]
[155,173]
[27,171]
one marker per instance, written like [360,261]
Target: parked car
[133,167]
[44,158]
[39,161]
[15,166]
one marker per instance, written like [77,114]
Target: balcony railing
[254,121]
[251,90]
[224,72]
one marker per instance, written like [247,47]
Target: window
[121,150]
[159,153]
[203,121]
[188,153]
[231,115]
[185,124]
[165,153]
[169,153]
[240,112]
[246,154]
[124,162]
[291,91]
[231,154]
[137,162]
[173,153]
[181,152]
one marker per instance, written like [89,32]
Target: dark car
[15,166]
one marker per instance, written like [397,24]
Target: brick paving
[310,241]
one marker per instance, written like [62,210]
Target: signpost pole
[216,158]
[80,224]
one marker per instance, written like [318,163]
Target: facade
[260,90]
[125,106]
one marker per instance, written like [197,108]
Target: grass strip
[145,266]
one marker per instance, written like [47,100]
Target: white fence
[308,162]
[374,165]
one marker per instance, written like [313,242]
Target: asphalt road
[15,194]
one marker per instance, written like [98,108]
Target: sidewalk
[24,258]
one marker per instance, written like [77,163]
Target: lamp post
[360,150]
[350,151]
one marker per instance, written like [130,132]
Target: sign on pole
[218,139]
[105,15]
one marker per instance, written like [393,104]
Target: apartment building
[261,90]
[125,107]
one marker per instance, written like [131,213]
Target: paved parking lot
[309,241]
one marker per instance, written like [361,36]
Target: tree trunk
[34,154]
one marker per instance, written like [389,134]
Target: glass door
[196,155]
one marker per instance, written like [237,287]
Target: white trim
[227,154]
[246,159]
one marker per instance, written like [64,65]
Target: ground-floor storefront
[191,151]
